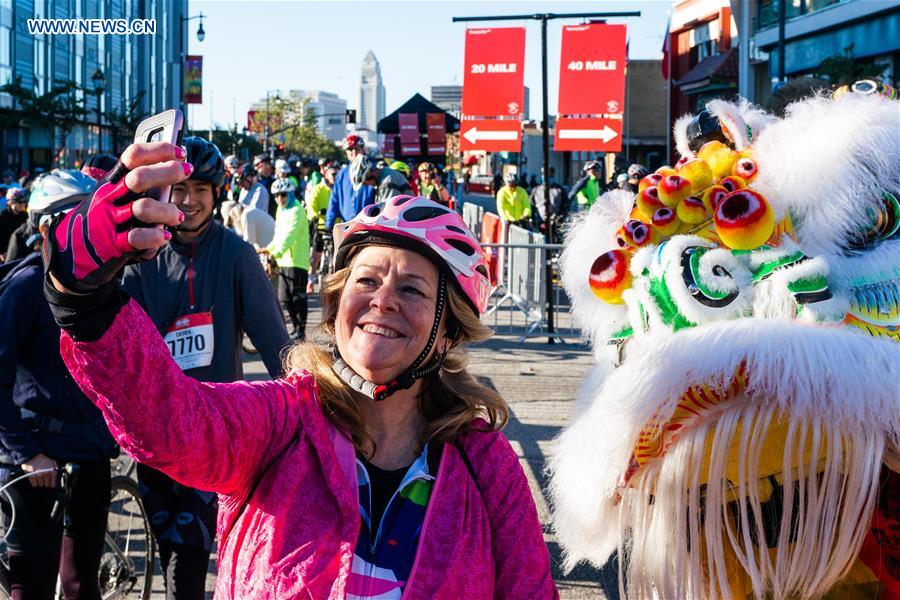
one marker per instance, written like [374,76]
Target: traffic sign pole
[543,18]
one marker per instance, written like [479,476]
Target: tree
[304,138]
[125,122]
[793,91]
[57,109]
[293,123]
[845,68]
[233,141]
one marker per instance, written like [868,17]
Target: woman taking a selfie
[376,468]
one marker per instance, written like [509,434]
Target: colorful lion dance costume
[739,436]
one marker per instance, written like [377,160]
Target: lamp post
[268,132]
[99,81]
[201,35]
[240,143]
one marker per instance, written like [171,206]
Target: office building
[813,31]
[372,101]
[330,110]
[448,97]
[130,64]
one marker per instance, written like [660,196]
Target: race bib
[191,340]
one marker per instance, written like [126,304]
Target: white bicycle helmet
[282,167]
[232,162]
[58,190]
[283,185]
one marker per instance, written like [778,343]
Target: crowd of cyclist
[241,228]
[521,201]
[206,283]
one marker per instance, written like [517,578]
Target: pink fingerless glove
[88,246]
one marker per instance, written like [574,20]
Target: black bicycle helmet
[209,165]
[703,128]
[98,165]
[245,172]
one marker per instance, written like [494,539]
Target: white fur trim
[826,163]
[679,130]
[740,116]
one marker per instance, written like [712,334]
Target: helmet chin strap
[379,392]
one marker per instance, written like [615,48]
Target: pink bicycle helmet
[428,228]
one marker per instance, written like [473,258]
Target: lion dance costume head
[739,435]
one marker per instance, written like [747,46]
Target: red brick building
[703,55]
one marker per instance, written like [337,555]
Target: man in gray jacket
[202,291]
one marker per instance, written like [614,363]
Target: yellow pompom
[744,220]
[698,173]
[692,210]
[719,157]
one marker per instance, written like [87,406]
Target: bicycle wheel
[126,567]
[325,263]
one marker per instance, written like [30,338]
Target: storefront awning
[720,70]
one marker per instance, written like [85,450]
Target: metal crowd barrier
[472,215]
[519,298]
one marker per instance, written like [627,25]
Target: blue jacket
[345,202]
[34,380]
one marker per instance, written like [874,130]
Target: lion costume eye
[692,282]
[884,224]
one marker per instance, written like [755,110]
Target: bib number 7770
[190,340]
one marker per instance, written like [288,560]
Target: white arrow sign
[473,135]
[605,134]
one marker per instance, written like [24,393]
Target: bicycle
[123,465]
[126,565]
[325,264]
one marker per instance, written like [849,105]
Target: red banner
[493,83]
[409,134]
[253,123]
[388,146]
[592,70]
[490,135]
[193,79]
[437,133]
[588,134]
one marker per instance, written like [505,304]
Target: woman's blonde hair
[451,399]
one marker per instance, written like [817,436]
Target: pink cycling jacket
[294,536]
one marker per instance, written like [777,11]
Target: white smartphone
[167,126]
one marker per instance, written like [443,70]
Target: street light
[99,81]
[266,139]
[201,33]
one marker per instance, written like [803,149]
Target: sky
[251,47]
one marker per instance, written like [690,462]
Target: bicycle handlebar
[67,468]
[67,472]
